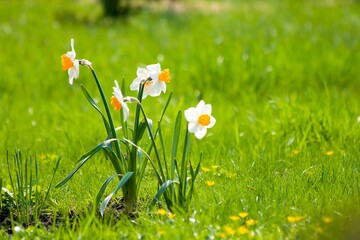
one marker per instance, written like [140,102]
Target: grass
[283,79]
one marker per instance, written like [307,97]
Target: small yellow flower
[329,153]
[327,219]
[250,222]
[319,230]
[234,218]
[229,230]
[172,215]
[295,219]
[210,183]
[161,211]
[204,169]
[243,214]
[295,152]
[215,166]
[162,232]
[243,230]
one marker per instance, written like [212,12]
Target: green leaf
[175,142]
[103,188]
[85,158]
[93,103]
[123,180]
[160,192]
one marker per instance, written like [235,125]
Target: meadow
[283,78]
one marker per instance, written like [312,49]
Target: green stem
[118,168]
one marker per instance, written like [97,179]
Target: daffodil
[69,63]
[117,100]
[199,119]
[155,80]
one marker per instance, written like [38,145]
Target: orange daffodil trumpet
[199,119]
[71,64]
[155,80]
[118,101]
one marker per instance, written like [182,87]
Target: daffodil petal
[193,127]
[212,122]
[206,109]
[191,115]
[200,133]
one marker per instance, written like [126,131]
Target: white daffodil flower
[200,119]
[155,80]
[69,63]
[118,101]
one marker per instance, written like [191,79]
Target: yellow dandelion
[210,183]
[204,169]
[329,153]
[161,211]
[215,166]
[172,215]
[234,218]
[327,219]
[243,214]
[295,152]
[243,230]
[229,230]
[250,222]
[162,232]
[295,219]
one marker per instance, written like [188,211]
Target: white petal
[72,48]
[212,122]
[135,84]
[193,127]
[158,87]
[206,109]
[191,115]
[142,73]
[200,106]
[154,68]
[200,133]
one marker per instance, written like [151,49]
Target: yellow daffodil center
[116,104]
[204,120]
[165,75]
[66,62]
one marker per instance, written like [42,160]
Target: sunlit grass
[283,79]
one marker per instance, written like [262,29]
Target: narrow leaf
[103,188]
[160,192]
[93,103]
[123,180]
[85,158]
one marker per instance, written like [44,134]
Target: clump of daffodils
[150,81]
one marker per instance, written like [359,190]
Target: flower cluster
[154,79]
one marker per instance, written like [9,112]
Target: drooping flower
[155,80]
[69,63]
[199,119]
[117,100]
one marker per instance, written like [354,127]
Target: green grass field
[283,78]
